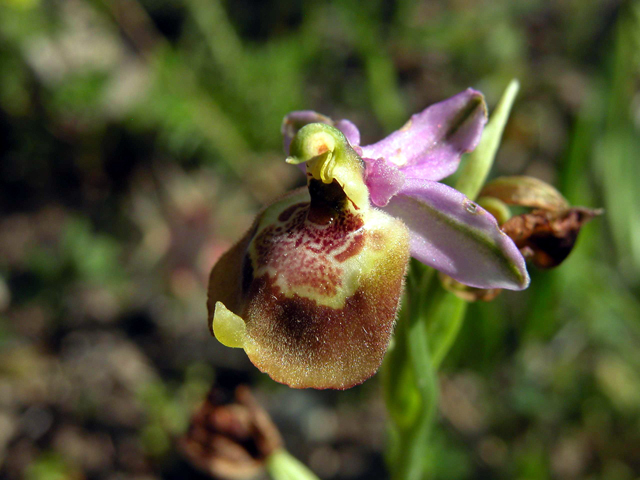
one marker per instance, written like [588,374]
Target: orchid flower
[312,291]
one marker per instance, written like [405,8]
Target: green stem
[414,440]
[412,386]
[429,323]
[445,319]
[281,465]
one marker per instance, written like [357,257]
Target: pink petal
[430,144]
[383,179]
[454,235]
[350,131]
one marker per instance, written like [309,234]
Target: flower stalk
[281,465]
[429,322]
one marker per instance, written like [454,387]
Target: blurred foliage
[139,137]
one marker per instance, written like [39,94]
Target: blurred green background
[139,137]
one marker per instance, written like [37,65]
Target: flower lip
[322,296]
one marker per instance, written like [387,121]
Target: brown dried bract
[230,440]
[547,237]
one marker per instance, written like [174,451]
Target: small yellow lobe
[229,328]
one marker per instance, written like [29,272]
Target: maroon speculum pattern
[309,254]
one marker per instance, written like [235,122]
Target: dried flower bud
[547,237]
[230,440]
[547,234]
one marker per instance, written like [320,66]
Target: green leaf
[479,162]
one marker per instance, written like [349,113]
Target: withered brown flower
[547,234]
[546,238]
[230,439]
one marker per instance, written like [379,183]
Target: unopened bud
[525,192]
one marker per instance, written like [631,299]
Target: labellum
[322,275]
